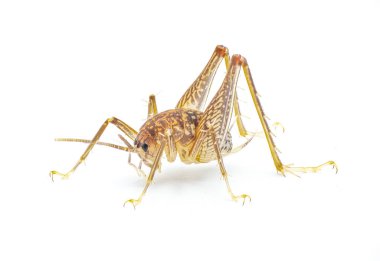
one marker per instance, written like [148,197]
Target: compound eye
[145,147]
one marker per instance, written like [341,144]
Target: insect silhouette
[194,133]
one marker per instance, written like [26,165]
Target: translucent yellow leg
[149,180]
[171,151]
[138,169]
[129,131]
[281,168]
[250,136]
[223,170]
[152,106]
[293,170]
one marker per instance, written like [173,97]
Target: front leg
[149,180]
[208,134]
[125,128]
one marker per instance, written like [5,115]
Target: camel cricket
[197,134]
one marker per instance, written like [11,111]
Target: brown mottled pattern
[195,136]
[183,123]
[227,144]
[218,113]
[187,124]
[196,95]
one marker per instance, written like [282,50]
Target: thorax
[182,124]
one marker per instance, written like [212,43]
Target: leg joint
[238,59]
[221,50]
[111,119]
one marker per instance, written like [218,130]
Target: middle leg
[223,169]
[149,180]
[207,135]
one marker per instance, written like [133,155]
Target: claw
[333,164]
[134,202]
[141,173]
[51,173]
[281,172]
[278,125]
[292,170]
[54,172]
[243,196]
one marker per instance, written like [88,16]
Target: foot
[293,170]
[141,173]
[64,176]
[277,125]
[134,202]
[242,196]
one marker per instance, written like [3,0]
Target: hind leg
[281,168]
[196,95]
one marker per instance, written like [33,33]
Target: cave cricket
[195,132]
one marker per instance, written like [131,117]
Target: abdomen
[188,121]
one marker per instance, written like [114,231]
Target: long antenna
[97,143]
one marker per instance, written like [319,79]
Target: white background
[65,66]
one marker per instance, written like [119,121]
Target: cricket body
[195,133]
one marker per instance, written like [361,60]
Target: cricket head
[146,146]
